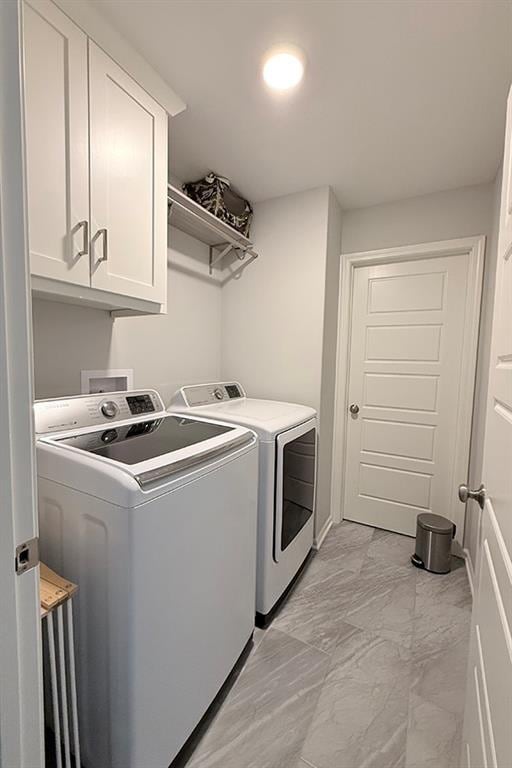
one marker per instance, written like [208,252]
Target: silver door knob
[479,495]
[354,408]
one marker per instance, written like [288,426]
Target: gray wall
[473,512]
[441,216]
[165,351]
[275,316]
[328,384]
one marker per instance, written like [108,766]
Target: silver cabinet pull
[478,495]
[354,409]
[85,242]
[103,233]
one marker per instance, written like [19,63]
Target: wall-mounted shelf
[188,216]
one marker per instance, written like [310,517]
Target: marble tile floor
[363,667]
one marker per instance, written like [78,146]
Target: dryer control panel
[62,414]
[208,394]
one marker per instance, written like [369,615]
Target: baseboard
[319,540]
[470,571]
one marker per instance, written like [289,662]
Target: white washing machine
[287,479]
[153,515]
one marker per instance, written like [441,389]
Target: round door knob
[354,408]
[465,493]
[109,409]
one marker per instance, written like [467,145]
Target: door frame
[474,249]
[21,710]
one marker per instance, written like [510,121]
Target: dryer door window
[295,487]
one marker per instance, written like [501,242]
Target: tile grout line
[306,762]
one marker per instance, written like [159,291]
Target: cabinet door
[128,134]
[56,118]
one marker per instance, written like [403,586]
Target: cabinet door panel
[128,133]
[56,117]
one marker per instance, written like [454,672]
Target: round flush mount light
[283,67]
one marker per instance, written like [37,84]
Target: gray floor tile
[434,736]
[264,721]
[345,546]
[391,548]
[361,715]
[441,677]
[437,626]
[384,600]
[451,588]
[364,667]
[315,613]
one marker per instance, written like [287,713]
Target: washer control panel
[140,404]
[59,415]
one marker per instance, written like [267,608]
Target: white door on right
[487,735]
[406,357]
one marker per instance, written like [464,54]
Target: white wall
[165,351]
[441,216]
[273,316]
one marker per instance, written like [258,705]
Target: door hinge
[27,555]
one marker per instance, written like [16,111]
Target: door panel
[405,366]
[406,293]
[56,129]
[408,393]
[487,723]
[128,174]
[406,342]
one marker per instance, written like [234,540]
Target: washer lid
[113,468]
[144,440]
[266,417]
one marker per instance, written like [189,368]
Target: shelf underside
[189,217]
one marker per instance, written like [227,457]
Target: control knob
[218,394]
[109,409]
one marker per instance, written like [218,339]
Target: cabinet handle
[85,242]
[103,232]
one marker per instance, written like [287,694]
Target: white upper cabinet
[96,171]
[128,134]
[57,144]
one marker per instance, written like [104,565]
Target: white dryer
[153,515]
[287,479]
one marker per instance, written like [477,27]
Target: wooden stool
[56,595]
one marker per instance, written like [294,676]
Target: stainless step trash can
[434,536]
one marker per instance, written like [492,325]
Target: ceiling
[400,97]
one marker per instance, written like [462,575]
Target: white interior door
[21,722]
[128,133]
[406,366]
[487,737]
[57,144]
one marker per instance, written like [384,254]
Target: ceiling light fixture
[283,67]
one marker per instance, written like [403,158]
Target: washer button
[109,409]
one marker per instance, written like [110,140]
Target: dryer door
[295,483]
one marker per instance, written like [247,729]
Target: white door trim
[473,248]
[21,711]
